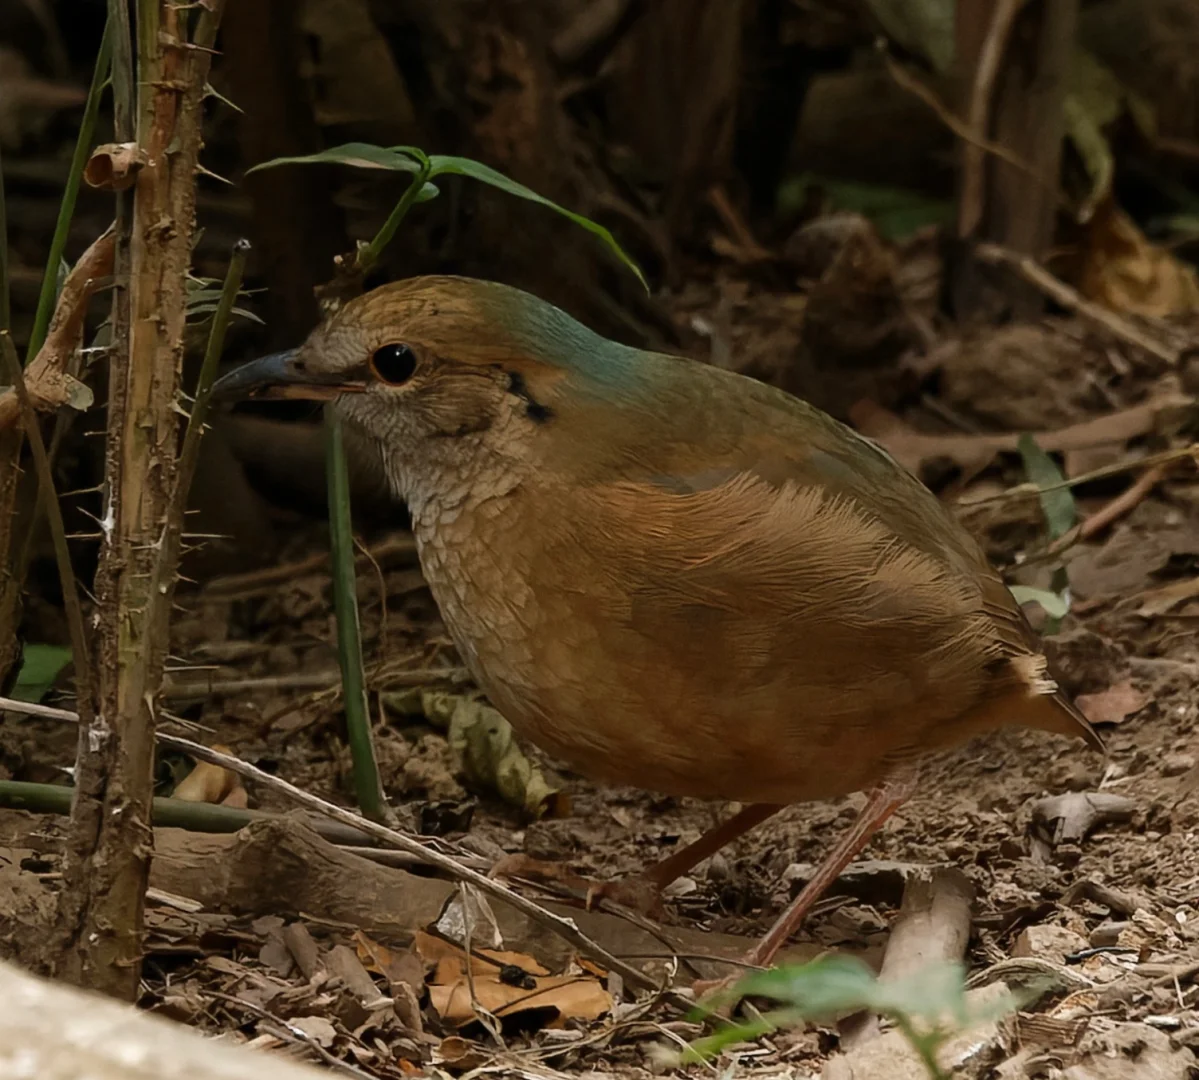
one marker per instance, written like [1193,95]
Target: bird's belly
[589,690]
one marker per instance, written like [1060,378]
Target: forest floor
[276,937]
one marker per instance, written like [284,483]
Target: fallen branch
[933,927]
[47,379]
[398,547]
[563,926]
[48,1029]
[281,867]
[1061,293]
[912,448]
[1122,504]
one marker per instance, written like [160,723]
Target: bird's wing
[777,590]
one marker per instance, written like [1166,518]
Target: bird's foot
[638,893]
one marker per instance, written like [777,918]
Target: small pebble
[1177,764]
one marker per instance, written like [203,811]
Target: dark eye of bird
[393,364]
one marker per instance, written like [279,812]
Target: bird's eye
[393,364]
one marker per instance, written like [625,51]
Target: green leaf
[834,986]
[359,155]
[1056,605]
[40,665]
[896,212]
[1057,503]
[440,165]
[923,27]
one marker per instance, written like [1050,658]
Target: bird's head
[435,369]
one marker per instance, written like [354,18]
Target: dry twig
[1061,293]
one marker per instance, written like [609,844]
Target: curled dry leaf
[1168,597]
[114,166]
[488,754]
[211,784]
[1113,705]
[1127,273]
[506,984]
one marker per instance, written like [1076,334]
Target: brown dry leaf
[396,967]
[972,453]
[212,784]
[1113,705]
[114,166]
[505,984]
[1125,272]
[319,1029]
[1162,600]
[459,1054]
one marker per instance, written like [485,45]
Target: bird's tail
[1047,706]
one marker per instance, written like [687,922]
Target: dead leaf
[209,783]
[317,1028]
[972,453]
[114,166]
[566,997]
[1113,705]
[506,984]
[1127,273]
[459,1054]
[489,755]
[1164,599]
[467,914]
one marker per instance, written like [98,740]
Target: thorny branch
[107,861]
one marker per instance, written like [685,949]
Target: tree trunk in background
[674,97]
[297,231]
[1018,206]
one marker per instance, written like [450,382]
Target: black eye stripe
[393,364]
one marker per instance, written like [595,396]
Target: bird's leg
[642,891]
[882,802]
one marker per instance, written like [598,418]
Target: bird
[669,575]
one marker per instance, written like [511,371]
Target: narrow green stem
[124,81]
[925,1046]
[58,532]
[170,813]
[367,785]
[369,255]
[208,369]
[66,207]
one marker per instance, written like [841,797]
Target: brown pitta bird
[669,575]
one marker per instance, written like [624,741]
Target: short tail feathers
[1047,707]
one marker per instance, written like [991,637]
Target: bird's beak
[278,376]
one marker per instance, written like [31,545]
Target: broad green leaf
[40,665]
[1057,503]
[440,165]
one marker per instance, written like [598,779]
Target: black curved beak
[279,376]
